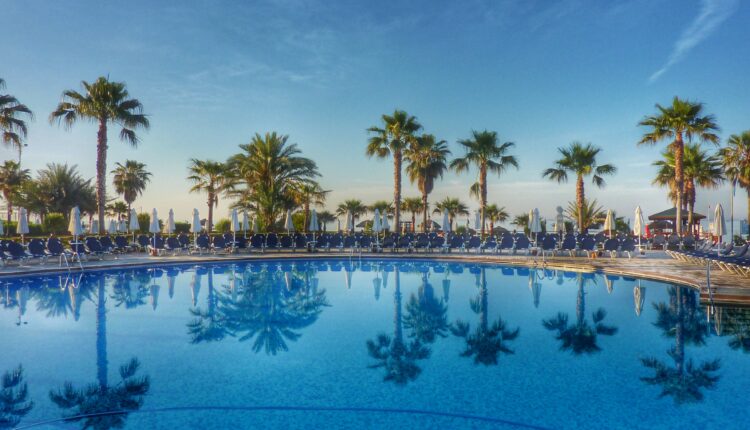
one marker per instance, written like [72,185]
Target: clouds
[712,14]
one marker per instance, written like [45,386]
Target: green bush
[55,223]
[10,229]
[181,227]
[222,226]
[144,220]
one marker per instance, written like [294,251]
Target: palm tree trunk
[128,214]
[210,220]
[398,334]
[580,198]
[424,211]
[679,152]
[397,190]
[483,303]
[10,210]
[679,336]
[580,303]
[101,335]
[413,221]
[307,216]
[483,195]
[101,171]
[690,197]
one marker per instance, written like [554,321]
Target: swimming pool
[369,344]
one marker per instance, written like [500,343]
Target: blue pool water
[368,344]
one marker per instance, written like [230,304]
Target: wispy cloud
[712,14]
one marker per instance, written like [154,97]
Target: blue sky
[541,73]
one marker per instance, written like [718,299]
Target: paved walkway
[726,288]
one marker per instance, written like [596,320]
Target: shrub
[55,223]
[222,226]
[181,227]
[144,220]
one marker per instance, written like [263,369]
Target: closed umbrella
[122,226]
[446,222]
[112,228]
[560,221]
[94,227]
[195,224]
[535,226]
[2,229]
[384,223]
[349,221]
[245,223]
[256,226]
[720,227]
[477,221]
[376,226]
[169,226]
[133,226]
[75,228]
[639,296]
[23,223]
[235,225]
[638,225]
[289,224]
[314,226]
[153,226]
[609,222]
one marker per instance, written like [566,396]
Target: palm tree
[14,398]
[13,129]
[414,205]
[682,120]
[383,206]
[12,177]
[682,320]
[103,102]
[353,206]
[267,173]
[92,403]
[58,188]
[427,162]
[496,214]
[396,135]
[118,209]
[309,194]
[454,206]
[580,160]
[699,170]
[488,340]
[592,213]
[325,217]
[130,180]
[397,356]
[484,151]
[580,337]
[736,160]
[212,178]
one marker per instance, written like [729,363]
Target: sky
[211,74]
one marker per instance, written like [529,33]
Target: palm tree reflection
[580,337]
[396,356]
[426,315]
[488,340]
[683,320]
[131,289]
[208,325]
[14,398]
[92,402]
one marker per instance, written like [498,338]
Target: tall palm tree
[12,177]
[397,134]
[13,129]
[212,178]
[700,170]
[267,173]
[488,340]
[683,120]
[454,206]
[14,398]
[58,188]
[397,356]
[736,160]
[487,154]
[427,162]
[309,194]
[118,209]
[353,206]
[580,337]
[496,214]
[130,180]
[103,102]
[325,217]
[592,213]
[383,206]
[580,160]
[414,205]
[91,403]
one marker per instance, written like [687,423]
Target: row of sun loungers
[729,258]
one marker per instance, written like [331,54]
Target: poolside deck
[726,288]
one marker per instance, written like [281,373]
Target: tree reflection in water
[14,398]
[488,340]
[683,320]
[208,325]
[131,289]
[397,357]
[426,315]
[580,337]
[101,396]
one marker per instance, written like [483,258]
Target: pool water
[367,344]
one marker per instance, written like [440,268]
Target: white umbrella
[75,228]
[2,230]
[245,223]
[112,228]
[94,227]
[169,226]
[195,225]
[560,221]
[376,222]
[446,222]
[535,226]
[23,223]
[349,221]
[477,221]
[289,224]
[639,296]
[314,225]
[720,227]
[384,222]
[133,221]
[122,226]
[235,226]
[638,225]
[609,222]
[153,226]
[256,227]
